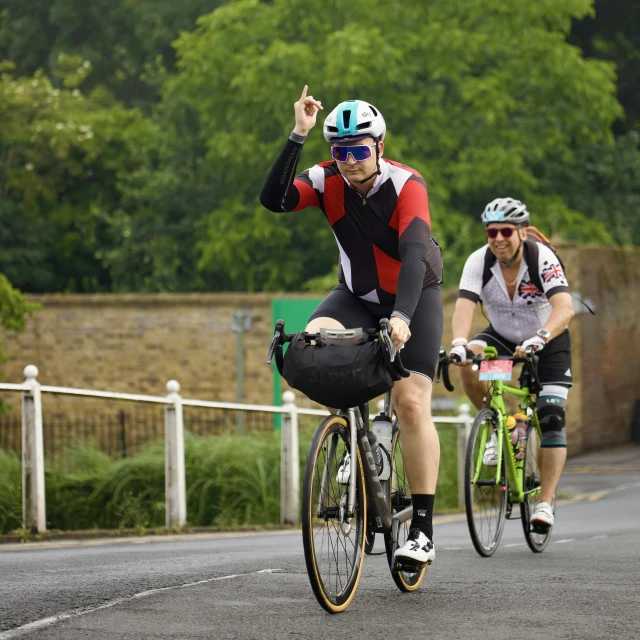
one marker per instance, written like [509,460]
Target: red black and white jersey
[377,235]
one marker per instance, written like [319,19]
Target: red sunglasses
[506,232]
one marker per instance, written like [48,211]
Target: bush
[231,480]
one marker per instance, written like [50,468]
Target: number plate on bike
[496,369]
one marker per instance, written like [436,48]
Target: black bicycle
[344,502]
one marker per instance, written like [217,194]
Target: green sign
[296,313]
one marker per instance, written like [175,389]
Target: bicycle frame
[375,493]
[498,390]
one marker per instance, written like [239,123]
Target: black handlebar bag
[338,376]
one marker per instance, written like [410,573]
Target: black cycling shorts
[420,353]
[554,364]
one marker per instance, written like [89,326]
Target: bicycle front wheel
[485,490]
[333,538]
[399,498]
[536,538]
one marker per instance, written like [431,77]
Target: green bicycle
[492,491]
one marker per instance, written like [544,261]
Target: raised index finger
[304,93]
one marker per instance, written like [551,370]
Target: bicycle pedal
[410,567]
[539,528]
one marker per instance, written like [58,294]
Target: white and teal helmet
[354,120]
[505,210]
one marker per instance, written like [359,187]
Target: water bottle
[513,432]
[375,451]
[383,431]
[522,424]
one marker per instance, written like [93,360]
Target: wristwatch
[545,335]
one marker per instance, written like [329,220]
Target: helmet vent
[332,129]
[363,125]
[375,113]
[346,118]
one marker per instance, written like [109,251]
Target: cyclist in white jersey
[521,315]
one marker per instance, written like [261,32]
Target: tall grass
[10,491]
[231,480]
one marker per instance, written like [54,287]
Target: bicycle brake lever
[277,339]
[274,344]
[384,333]
[476,362]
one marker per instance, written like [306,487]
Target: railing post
[174,479]
[464,428]
[33,502]
[289,462]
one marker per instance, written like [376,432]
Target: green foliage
[484,98]
[61,155]
[126,42]
[14,308]
[613,34]
[477,116]
[603,182]
[231,480]
[10,491]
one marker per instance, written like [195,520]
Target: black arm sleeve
[410,278]
[279,193]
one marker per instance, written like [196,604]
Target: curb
[75,542]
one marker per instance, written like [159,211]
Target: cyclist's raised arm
[414,237]
[280,192]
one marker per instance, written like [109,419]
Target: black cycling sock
[423,513]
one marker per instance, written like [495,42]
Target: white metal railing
[33,494]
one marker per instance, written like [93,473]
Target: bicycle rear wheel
[485,499]
[333,539]
[536,538]
[399,498]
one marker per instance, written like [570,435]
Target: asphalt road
[585,585]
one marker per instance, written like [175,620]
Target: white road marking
[47,622]
[452,549]
[514,544]
[597,537]
[565,540]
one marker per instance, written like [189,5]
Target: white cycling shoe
[417,551]
[543,516]
[490,457]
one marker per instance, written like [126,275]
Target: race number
[496,369]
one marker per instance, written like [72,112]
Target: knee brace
[551,406]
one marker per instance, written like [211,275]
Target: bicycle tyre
[537,540]
[328,549]
[399,497]
[485,505]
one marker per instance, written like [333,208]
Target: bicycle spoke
[334,542]
[485,499]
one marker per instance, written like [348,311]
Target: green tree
[14,309]
[478,96]
[61,154]
[613,34]
[126,41]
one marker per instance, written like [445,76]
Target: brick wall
[135,343]
[610,348]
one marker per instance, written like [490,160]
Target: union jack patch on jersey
[551,272]
[529,290]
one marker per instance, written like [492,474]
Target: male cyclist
[390,266]
[520,315]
